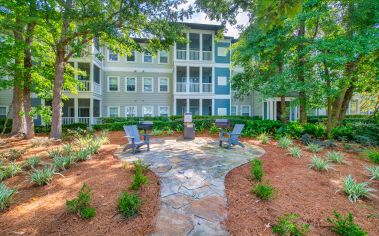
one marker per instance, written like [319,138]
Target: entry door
[84,112]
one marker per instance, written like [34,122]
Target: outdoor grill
[222,123]
[145,125]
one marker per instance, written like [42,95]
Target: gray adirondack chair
[134,140]
[231,138]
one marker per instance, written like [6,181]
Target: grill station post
[222,124]
[189,127]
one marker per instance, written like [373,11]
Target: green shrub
[214,130]
[157,132]
[139,166]
[32,162]
[169,132]
[257,169]
[68,149]
[373,155]
[15,154]
[128,204]
[374,172]
[44,176]
[284,142]
[94,147]
[55,153]
[83,154]
[139,178]
[82,204]
[319,164]
[317,130]
[355,190]
[264,138]
[314,147]
[292,129]
[263,191]
[11,170]
[295,152]
[104,137]
[5,196]
[63,163]
[345,226]
[342,133]
[288,225]
[335,157]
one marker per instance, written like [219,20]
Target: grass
[373,155]
[319,164]
[6,195]
[32,162]
[374,172]
[44,176]
[354,190]
[345,225]
[256,169]
[288,225]
[264,138]
[285,142]
[263,191]
[82,204]
[335,157]
[314,148]
[295,152]
[128,204]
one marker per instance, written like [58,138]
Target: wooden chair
[232,137]
[134,140]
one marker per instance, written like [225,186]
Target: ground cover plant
[82,204]
[43,176]
[355,190]
[263,191]
[295,152]
[373,172]
[5,196]
[314,147]
[10,170]
[257,169]
[31,162]
[128,204]
[289,225]
[264,138]
[319,164]
[15,154]
[139,177]
[335,157]
[373,155]
[345,225]
[284,142]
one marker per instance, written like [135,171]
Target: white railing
[207,55]
[194,87]
[84,120]
[181,54]
[85,87]
[87,120]
[68,120]
[207,87]
[194,55]
[181,87]
[96,120]
[97,88]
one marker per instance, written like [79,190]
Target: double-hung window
[112,56]
[163,85]
[245,110]
[131,111]
[147,111]
[163,57]
[113,83]
[233,111]
[3,111]
[131,57]
[147,57]
[163,111]
[130,84]
[148,85]
[113,111]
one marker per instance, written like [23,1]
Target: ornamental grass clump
[263,191]
[264,138]
[295,152]
[374,172]
[10,170]
[354,190]
[345,225]
[104,137]
[14,154]
[68,149]
[157,132]
[55,153]
[82,204]
[314,147]
[128,204]
[284,142]
[335,157]
[6,195]
[319,164]
[256,169]
[44,176]
[289,225]
[139,178]
[83,154]
[31,162]
[63,163]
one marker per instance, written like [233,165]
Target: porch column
[91,111]
[76,109]
[201,107]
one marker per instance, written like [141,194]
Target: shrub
[44,176]
[68,149]
[257,169]
[288,225]
[213,130]
[317,130]
[335,157]
[83,154]
[14,154]
[373,155]
[169,132]
[62,163]
[32,162]
[104,137]
[345,226]
[295,152]
[128,204]
[319,164]
[55,153]
[82,204]
[264,138]
[263,191]
[355,190]
[314,147]
[5,196]
[139,166]
[292,129]
[11,170]
[284,142]
[342,133]
[157,132]
[139,178]
[374,172]
[94,147]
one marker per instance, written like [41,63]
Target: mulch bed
[42,210]
[311,194]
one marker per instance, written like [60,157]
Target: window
[147,57]
[163,57]
[233,111]
[221,52]
[147,111]
[132,57]
[221,111]
[112,56]
[163,85]
[130,85]
[163,111]
[221,81]
[245,110]
[148,85]
[131,111]
[3,111]
[113,82]
[113,111]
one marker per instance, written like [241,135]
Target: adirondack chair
[232,137]
[134,140]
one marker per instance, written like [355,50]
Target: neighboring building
[193,77]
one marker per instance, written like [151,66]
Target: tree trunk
[18,118]
[56,123]
[283,116]
[301,76]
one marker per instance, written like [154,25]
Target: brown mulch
[313,195]
[42,210]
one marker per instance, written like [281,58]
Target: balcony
[207,55]
[181,87]
[207,87]
[194,55]
[85,86]
[194,87]
[181,54]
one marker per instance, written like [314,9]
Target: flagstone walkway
[192,174]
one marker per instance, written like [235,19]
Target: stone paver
[192,177]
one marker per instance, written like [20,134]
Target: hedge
[349,119]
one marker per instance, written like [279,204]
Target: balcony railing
[207,55]
[207,87]
[181,54]
[97,88]
[194,87]
[181,87]
[72,120]
[85,87]
[194,55]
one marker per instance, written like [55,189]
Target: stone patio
[192,177]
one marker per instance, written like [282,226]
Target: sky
[242,19]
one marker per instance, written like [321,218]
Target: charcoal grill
[222,123]
[145,125]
